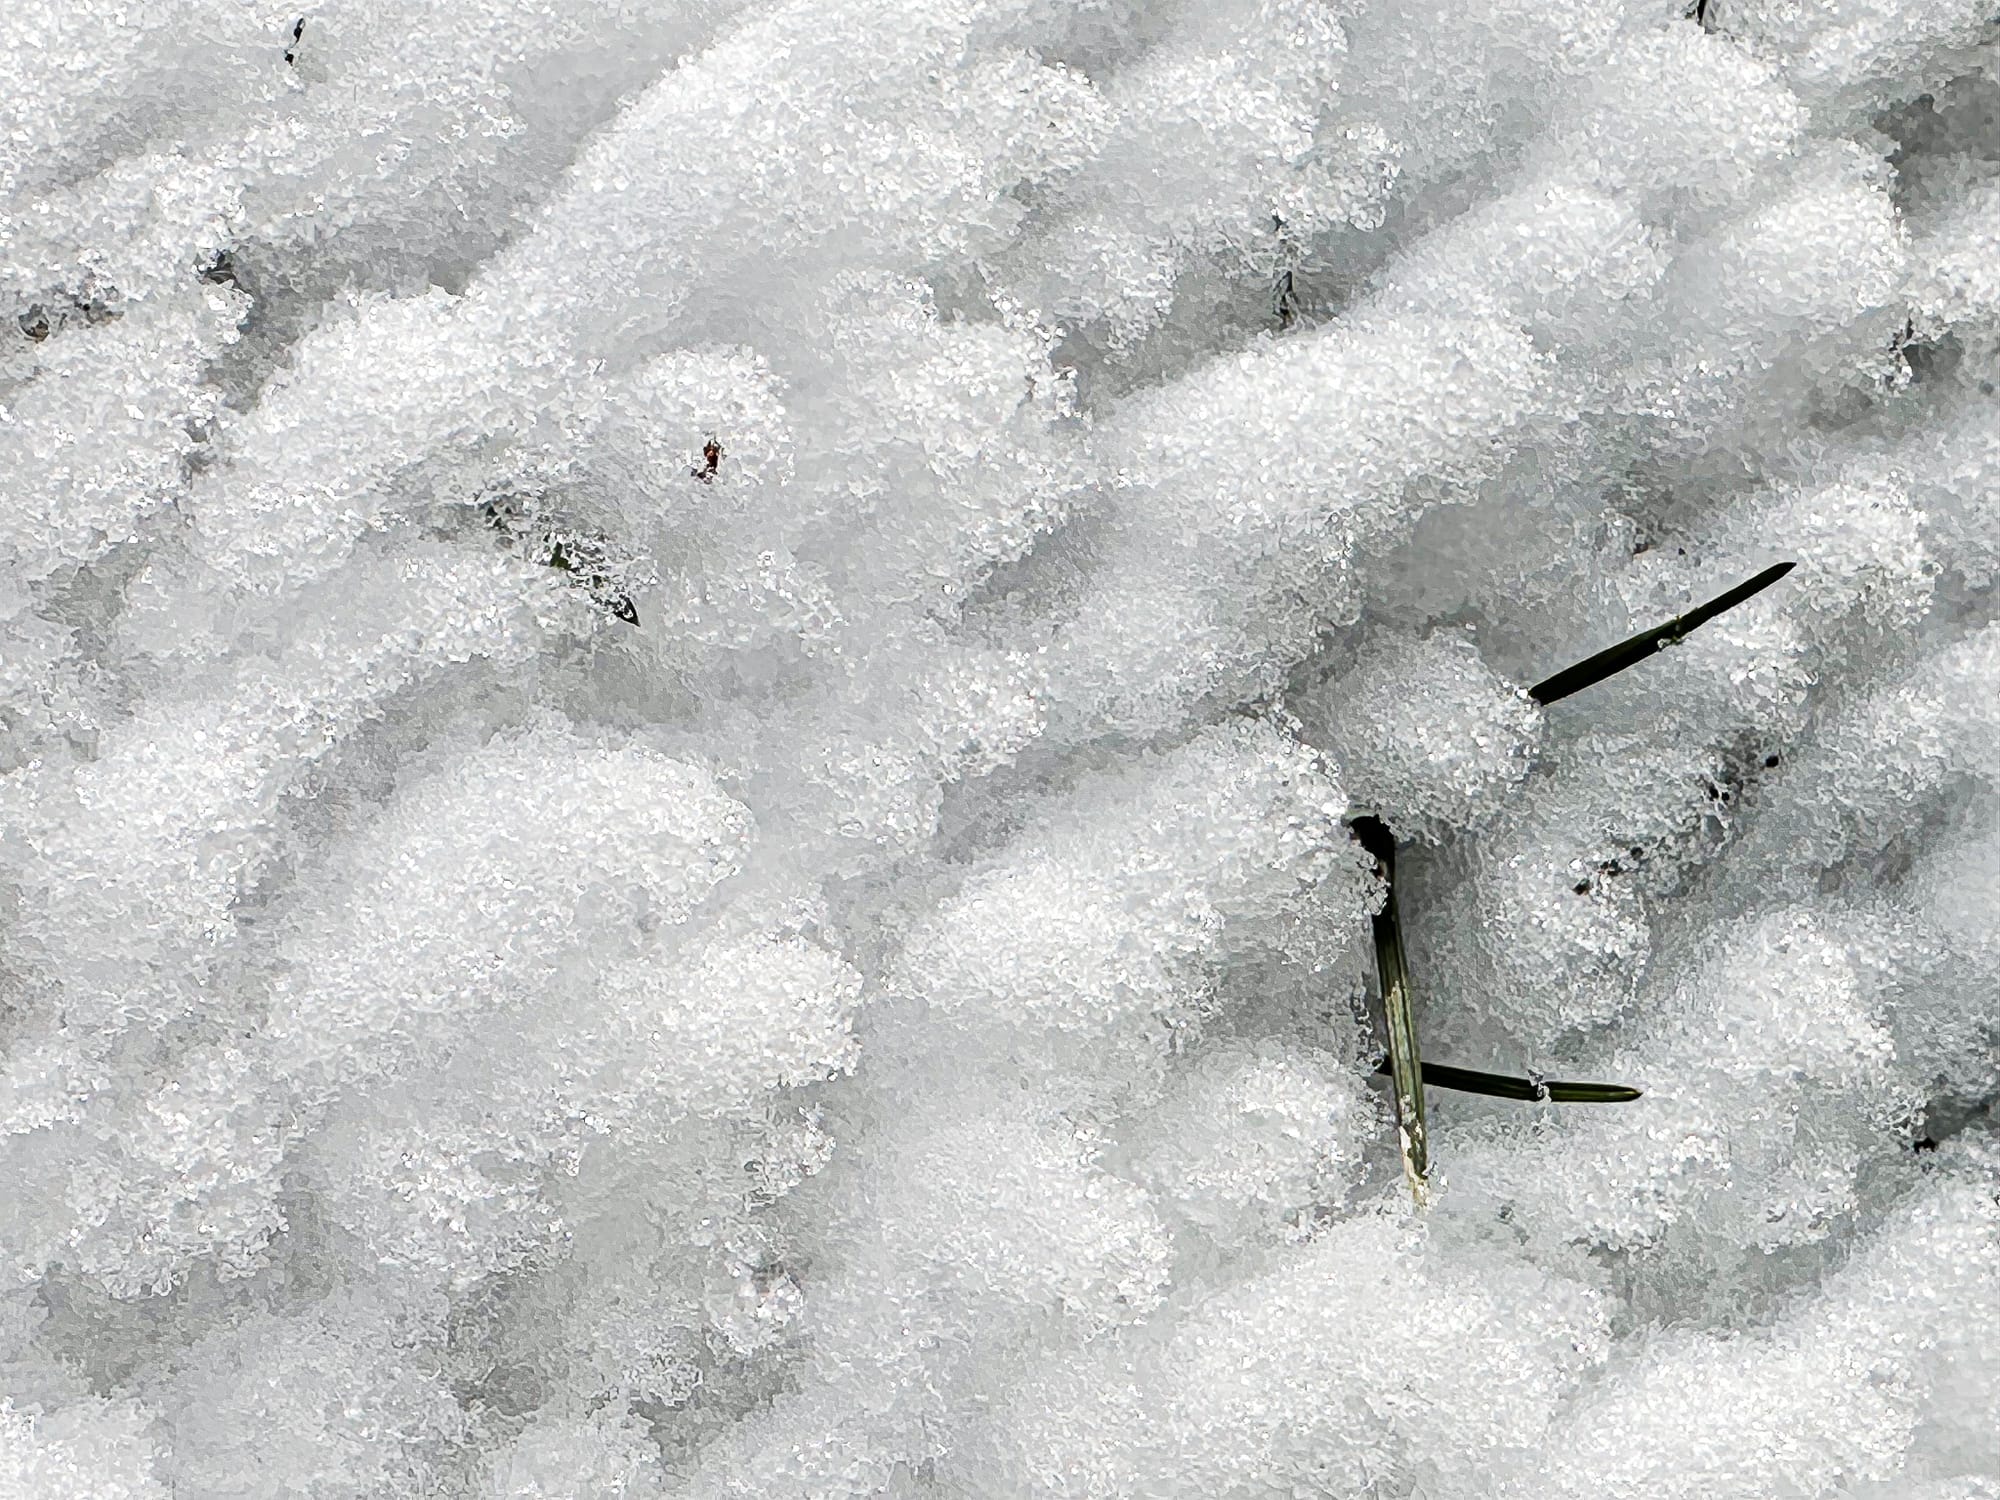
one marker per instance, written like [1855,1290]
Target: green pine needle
[1408,1072]
[1614,659]
[1503,1086]
[1405,1064]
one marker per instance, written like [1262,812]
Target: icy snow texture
[681,683]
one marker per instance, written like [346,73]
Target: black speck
[1926,1144]
[1770,761]
[1582,887]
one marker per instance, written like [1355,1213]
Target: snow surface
[681,683]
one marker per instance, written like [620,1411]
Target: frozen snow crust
[681,683]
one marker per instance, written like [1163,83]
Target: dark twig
[577,556]
[1284,294]
[598,585]
[1614,659]
[1285,300]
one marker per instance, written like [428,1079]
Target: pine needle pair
[1408,1073]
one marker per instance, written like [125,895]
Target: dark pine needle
[1502,1086]
[1594,669]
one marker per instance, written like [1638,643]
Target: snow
[682,685]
